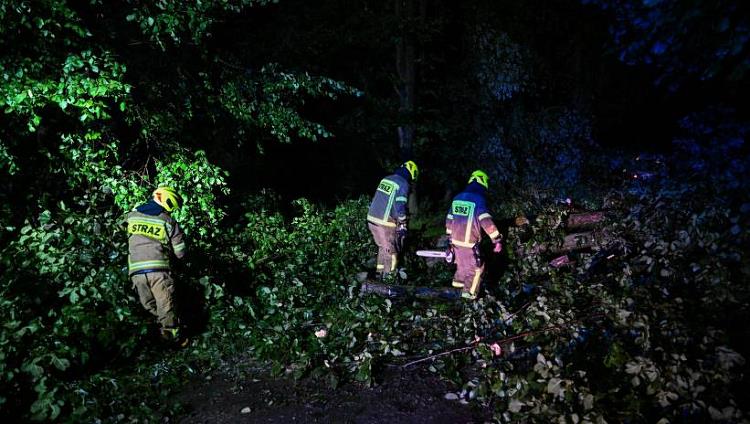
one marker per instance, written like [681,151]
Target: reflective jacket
[388,206]
[152,233]
[467,215]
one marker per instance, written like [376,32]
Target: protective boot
[173,336]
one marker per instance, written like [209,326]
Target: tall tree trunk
[407,75]
[406,70]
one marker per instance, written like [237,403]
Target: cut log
[385,290]
[575,221]
[560,262]
[584,220]
[392,291]
[576,241]
[520,221]
[437,293]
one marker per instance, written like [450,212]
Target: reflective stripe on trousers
[468,275]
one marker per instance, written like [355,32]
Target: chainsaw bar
[431,253]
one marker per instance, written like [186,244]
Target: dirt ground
[400,397]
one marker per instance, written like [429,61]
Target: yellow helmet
[480,177]
[167,198]
[412,168]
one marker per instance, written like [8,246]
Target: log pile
[583,233]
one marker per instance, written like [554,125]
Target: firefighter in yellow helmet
[467,217]
[152,235]
[388,214]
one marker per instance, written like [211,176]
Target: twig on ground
[521,309]
[502,341]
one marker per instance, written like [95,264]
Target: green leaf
[60,363]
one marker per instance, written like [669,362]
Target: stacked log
[583,234]
[584,220]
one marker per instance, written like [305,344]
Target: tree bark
[406,16]
[393,291]
[584,220]
[406,71]
[570,243]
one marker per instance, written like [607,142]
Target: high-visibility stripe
[379,221]
[149,261]
[387,213]
[475,282]
[380,266]
[179,247]
[149,220]
[469,223]
[137,266]
[458,284]
[462,243]
[393,263]
[449,216]
[401,199]
[495,234]
[467,295]
[391,197]
[484,215]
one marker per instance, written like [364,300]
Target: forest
[613,138]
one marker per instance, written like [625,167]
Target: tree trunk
[584,220]
[570,243]
[407,74]
[393,291]
[406,70]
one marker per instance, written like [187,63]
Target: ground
[414,396]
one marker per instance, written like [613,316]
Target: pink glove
[498,247]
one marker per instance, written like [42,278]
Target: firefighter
[388,214]
[466,218]
[152,235]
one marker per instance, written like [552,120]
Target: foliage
[682,39]
[264,102]
[185,21]
[712,148]
[501,65]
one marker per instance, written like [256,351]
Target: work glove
[400,236]
[401,230]
[450,255]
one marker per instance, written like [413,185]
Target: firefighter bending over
[468,215]
[387,217]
